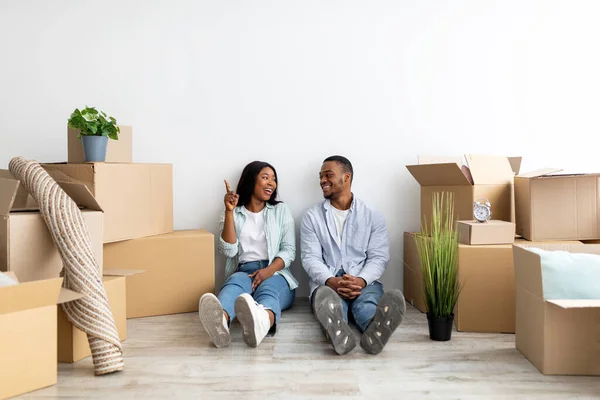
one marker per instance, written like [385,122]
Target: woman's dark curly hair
[245,186]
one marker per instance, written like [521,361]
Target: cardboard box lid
[544,173]
[490,170]
[539,172]
[438,174]
[15,197]
[66,295]
[570,304]
[484,169]
[515,164]
[8,192]
[35,294]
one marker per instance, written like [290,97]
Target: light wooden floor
[171,357]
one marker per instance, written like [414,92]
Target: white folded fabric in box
[569,275]
[6,280]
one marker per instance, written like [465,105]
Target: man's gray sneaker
[388,316]
[329,313]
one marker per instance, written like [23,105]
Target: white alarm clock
[482,210]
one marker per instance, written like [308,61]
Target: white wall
[212,85]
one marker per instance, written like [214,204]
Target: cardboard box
[26,246]
[551,206]
[28,335]
[412,276]
[490,232]
[179,268]
[137,199]
[487,300]
[73,344]
[117,151]
[489,177]
[559,337]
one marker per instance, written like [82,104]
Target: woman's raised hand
[231,199]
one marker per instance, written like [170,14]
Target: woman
[257,238]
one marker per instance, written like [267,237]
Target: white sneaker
[213,319]
[254,319]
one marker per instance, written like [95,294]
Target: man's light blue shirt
[362,252]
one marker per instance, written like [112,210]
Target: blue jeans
[363,307]
[274,293]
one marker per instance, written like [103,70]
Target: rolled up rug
[92,313]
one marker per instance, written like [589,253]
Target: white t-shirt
[339,216]
[253,241]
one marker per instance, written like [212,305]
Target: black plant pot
[440,328]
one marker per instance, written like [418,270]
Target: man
[344,251]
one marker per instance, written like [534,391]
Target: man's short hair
[344,162]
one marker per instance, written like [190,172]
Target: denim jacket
[280,234]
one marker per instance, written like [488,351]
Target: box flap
[528,270]
[22,200]
[29,295]
[56,174]
[80,195]
[515,164]
[6,174]
[446,174]
[539,172]
[8,191]
[121,272]
[67,295]
[567,304]
[490,170]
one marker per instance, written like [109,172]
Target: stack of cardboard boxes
[128,210]
[31,337]
[538,210]
[558,336]
[137,199]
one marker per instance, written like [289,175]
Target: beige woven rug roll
[91,314]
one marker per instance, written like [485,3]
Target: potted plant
[437,245]
[95,128]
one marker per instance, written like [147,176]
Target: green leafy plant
[437,244]
[90,122]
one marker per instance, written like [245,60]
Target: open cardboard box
[73,344]
[487,299]
[26,246]
[119,151]
[559,337]
[28,334]
[481,176]
[137,199]
[555,206]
